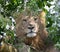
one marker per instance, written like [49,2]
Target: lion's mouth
[31,34]
[32,31]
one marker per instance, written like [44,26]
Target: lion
[32,29]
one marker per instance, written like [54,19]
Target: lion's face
[30,25]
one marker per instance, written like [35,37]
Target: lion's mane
[38,41]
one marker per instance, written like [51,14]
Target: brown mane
[38,41]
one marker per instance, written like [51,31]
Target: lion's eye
[24,20]
[35,19]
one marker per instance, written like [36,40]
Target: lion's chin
[31,34]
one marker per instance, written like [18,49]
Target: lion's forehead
[29,17]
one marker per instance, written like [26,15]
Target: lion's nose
[31,27]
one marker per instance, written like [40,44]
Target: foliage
[10,6]
[42,3]
[53,25]
[4,30]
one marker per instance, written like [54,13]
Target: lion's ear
[42,15]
